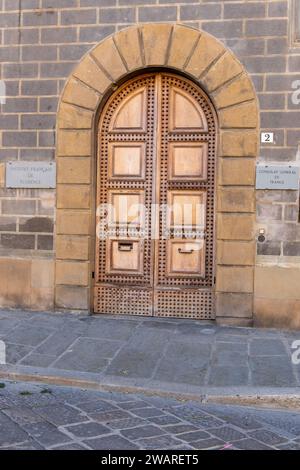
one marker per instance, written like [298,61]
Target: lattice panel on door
[107,136]
[167,185]
[123,301]
[187,303]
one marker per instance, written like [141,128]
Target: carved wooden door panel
[155,200]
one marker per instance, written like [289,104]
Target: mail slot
[125,246]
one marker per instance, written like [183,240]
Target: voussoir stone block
[235,227]
[242,115]
[72,273]
[237,171]
[108,56]
[226,68]
[239,90]
[72,247]
[236,200]
[90,74]
[128,43]
[72,117]
[238,144]
[71,222]
[156,39]
[183,41]
[70,297]
[74,170]
[206,51]
[74,143]
[73,196]
[234,279]
[81,95]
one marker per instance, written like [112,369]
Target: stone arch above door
[216,70]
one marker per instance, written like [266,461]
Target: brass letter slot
[125,246]
[185,252]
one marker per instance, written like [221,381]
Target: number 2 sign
[267,137]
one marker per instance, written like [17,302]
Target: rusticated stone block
[243,115]
[74,170]
[237,171]
[70,222]
[234,279]
[236,200]
[72,117]
[234,305]
[239,144]
[235,227]
[74,143]
[74,273]
[72,247]
[75,298]
[73,196]
[236,253]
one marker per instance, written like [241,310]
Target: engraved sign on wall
[277,177]
[31,175]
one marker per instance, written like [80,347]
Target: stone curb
[269,397]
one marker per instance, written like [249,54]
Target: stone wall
[42,41]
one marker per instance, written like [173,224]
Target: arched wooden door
[155,200]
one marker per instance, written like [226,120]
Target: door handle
[125,246]
[185,252]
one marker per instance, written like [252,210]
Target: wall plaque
[277,177]
[30,175]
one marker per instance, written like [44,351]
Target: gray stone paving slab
[16,352]
[10,432]
[228,375]
[60,414]
[142,431]
[267,347]
[46,434]
[184,362]
[84,430]
[114,442]
[28,336]
[272,371]
[159,443]
[37,360]
[87,354]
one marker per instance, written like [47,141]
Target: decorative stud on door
[155,200]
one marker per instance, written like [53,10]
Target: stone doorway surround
[205,60]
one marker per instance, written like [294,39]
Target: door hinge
[214,280]
[93,275]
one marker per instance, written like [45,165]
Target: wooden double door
[155,200]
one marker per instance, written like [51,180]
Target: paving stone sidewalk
[164,354]
[38,417]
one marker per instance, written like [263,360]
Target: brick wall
[42,40]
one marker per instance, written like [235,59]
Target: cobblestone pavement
[173,354]
[38,417]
